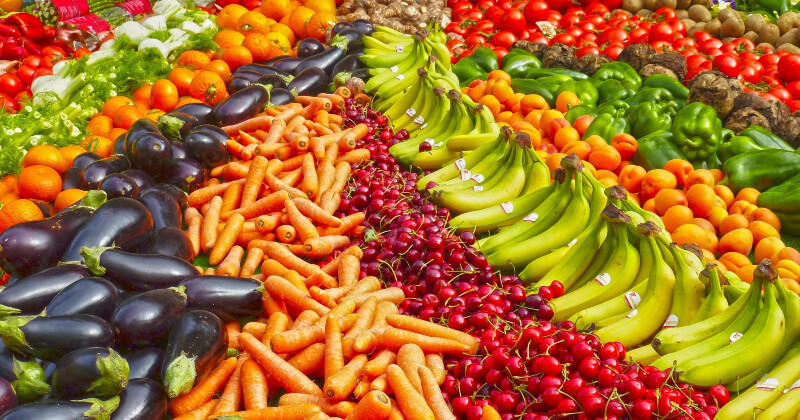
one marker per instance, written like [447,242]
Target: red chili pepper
[30,46]
[29,25]
[8,30]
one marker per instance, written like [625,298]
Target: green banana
[451,171]
[688,293]
[643,355]
[715,301]
[786,407]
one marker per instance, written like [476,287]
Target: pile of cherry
[526,367]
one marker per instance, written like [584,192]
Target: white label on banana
[477,178]
[432,142]
[671,321]
[768,384]
[422,127]
[393,69]
[400,77]
[735,337]
[632,313]
[632,299]
[411,112]
[399,49]
[465,174]
[531,217]
[507,207]
[795,385]
[603,279]
[572,242]
[461,164]
[477,188]
[419,120]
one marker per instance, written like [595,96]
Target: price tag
[507,207]
[477,178]
[633,299]
[632,313]
[573,242]
[768,384]
[603,279]
[547,28]
[735,337]
[419,120]
[399,77]
[477,188]
[531,217]
[795,385]
[465,174]
[461,164]
[393,69]
[399,49]
[672,321]
[411,112]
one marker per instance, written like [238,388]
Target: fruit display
[321,209]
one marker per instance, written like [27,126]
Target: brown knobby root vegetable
[713,26]
[632,6]
[732,27]
[787,21]
[589,63]
[727,14]
[404,15]
[673,61]
[559,55]
[651,69]
[769,33]
[534,48]
[754,22]
[637,55]
[745,117]
[672,4]
[715,89]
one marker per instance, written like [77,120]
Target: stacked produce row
[252,211]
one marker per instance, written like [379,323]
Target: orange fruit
[71,152]
[319,24]
[193,59]
[259,46]
[208,86]
[285,30]
[280,45]
[299,19]
[328,6]
[229,15]
[115,133]
[237,57]
[142,106]
[19,211]
[228,38]
[143,93]
[47,155]
[68,197]
[181,78]
[39,182]
[276,9]
[126,115]
[187,100]
[253,21]
[113,103]
[100,125]
[164,95]
[220,67]
[101,146]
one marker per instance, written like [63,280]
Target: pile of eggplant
[312,70]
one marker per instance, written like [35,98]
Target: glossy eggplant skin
[364,26]
[163,208]
[150,152]
[168,129]
[325,60]
[351,63]
[186,174]
[339,27]
[145,319]
[88,296]
[353,36]
[97,171]
[178,150]
[143,271]
[280,97]
[140,177]
[27,248]
[77,371]
[308,47]
[273,80]
[71,178]
[119,185]
[206,143]
[288,65]
[310,82]
[229,298]
[168,241]
[84,159]
[145,363]
[242,105]
[237,83]
[176,193]
[50,410]
[52,337]
[198,335]
[137,129]
[143,399]
[117,222]
[260,69]
[7,363]
[8,398]
[33,293]
[202,112]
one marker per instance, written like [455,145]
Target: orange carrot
[232,264]
[291,178]
[205,390]
[362,387]
[277,185]
[341,176]
[203,195]
[276,131]
[231,197]
[373,406]
[254,385]
[208,230]
[276,324]
[286,233]
[311,360]
[233,329]
[252,184]
[365,313]
[435,363]
[340,310]
[288,412]
[245,237]
[318,278]
[320,415]
[344,92]
[285,153]
[348,223]
[391,294]
[269,150]
[279,252]
[309,100]
[231,396]
[394,338]
[329,200]
[380,384]
[489,413]
[335,100]
[296,279]
[305,229]
[268,222]
[433,395]
[254,328]
[322,118]
[310,182]
[278,369]
[355,156]
[305,319]
[193,230]
[325,245]
[210,271]
[235,170]
[249,125]
[433,330]
[333,266]
[411,402]
[254,257]
[226,239]
[410,357]
[362,99]
[249,151]
[270,203]
[325,178]
[292,296]
[234,147]
[315,213]
[334,358]
[341,383]
[340,409]
[320,296]
[366,285]
[272,305]
[349,269]
[272,267]
[247,139]
[200,413]
[299,142]
[379,362]
[317,147]
[294,123]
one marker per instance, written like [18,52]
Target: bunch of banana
[492,175]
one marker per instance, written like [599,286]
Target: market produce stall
[427,210]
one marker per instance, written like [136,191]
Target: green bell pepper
[649,117]
[486,59]
[765,138]
[610,90]
[534,73]
[773,7]
[616,108]
[467,71]
[655,150]
[674,86]
[587,93]
[617,70]
[532,86]
[578,111]
[653,95]
[697,131]
[784,201]
[762,169]
[736,145]
[607,126]
[518,61]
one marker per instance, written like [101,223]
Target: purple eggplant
[45,207]
[308,47]
[97,171]
[167,241]
[310,82]
[250,75]
[206,143]
[325,60]
[241,106]
[229,298]
[364,26]
[237,83]
[288,65]
[119,185]
[273,80]
[145,319]
[353,37]
[145,363]
[33,293]
[84,159]
[150,152]
[280,96]
[350,64]
[201,111]
[339,27]
[176,125]
[186,174]
[176,193]
[8,397]
[274,60]
[143,399]
[117,222]
[197,343]
[163,208]
[137,271]
[71,178]
[51,337]
[88,296]
[138,128]
[91,372]
[119,144]
[178,150]
[7,363]
[140,177]
[260,69]
[29,247]
[63,410]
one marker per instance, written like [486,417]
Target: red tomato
[661,46]
[536,11]
[454,27]
[612,4]
[794,88]
[484,26]
[494,13]
[25,74]
[664,13]
[781,93]
[52,50]
[727,63]
[8,103]
[538,38]
[10,84]
[475,39]
[484,5]
[504,39]
[614,35]
[710,43]
[32,61]
[638,35]
[612,51]
[500,52]
[678,26]
[750,74]
[560,5]
[589,49]
[21,97]
[769,59]
[661,32]
[43,71]
[563,38]
[789,67]
[461,10]
[793,105]
[513,20]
